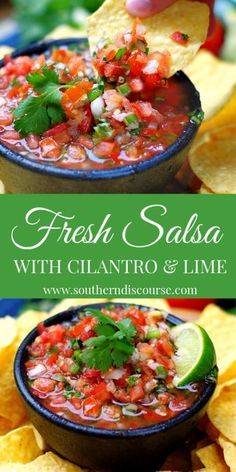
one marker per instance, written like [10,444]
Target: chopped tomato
[85,335]
[110,53]
[78,92]
[144,109]
[6,118]
[85,124]
[113,70]
[104,149]
[92,374]
[76,402]
[20,66]
[50,148]
[180,38]
[57,129]
[52,358]
[137,392]
[137,316]
[100,392]
[77,152]
[56,334]
[152,80]
[11,135]
[79,328]
[86,141]
[91,407]
[165,346]
[44,385]
[137,62]
[32,141]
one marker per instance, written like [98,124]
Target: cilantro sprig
[36,114]
[113,345]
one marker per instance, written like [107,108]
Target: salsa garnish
[180,38]
[111,369]
[68,109]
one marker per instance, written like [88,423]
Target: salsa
[111,369]
[72,110]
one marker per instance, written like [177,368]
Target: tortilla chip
[49,462]
[222,410]
[213,161]
[212,458]
[221,328]
[229,450]
[215,80]
[158,303]
[226,116]
[8,333]
[19,446]
[39,440]
[5,50]
[5,426]
[12,408]
[2,188]
[229,372]
[205,191]
[74,303]
[188,17]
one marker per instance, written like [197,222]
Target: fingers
[145,8]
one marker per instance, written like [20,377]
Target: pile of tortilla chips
[23,449]
[212,157]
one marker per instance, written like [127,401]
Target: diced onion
[120,116]
[36,371]
[151,67]
[97,107]
[93,157]
[115,374]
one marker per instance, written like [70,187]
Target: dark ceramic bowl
[100,449]
[22,175]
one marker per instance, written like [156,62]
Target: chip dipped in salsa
[112,368]
[72,110]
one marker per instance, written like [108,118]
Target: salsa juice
[111,369]
[68,109]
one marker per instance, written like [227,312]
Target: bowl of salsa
[72,123]
[100,384]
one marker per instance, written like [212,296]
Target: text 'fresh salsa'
[113,368]
[71,110]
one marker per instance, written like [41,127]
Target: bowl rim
[21,382]
[179,144]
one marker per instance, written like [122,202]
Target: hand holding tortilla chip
[146,8]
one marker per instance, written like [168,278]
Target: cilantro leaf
[105,330]
[127,328]
[103,319]
[40,81]
[37,114]
[31,117]
[196,116]
[98,358]
[113,346]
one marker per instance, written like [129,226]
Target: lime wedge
[195,353]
